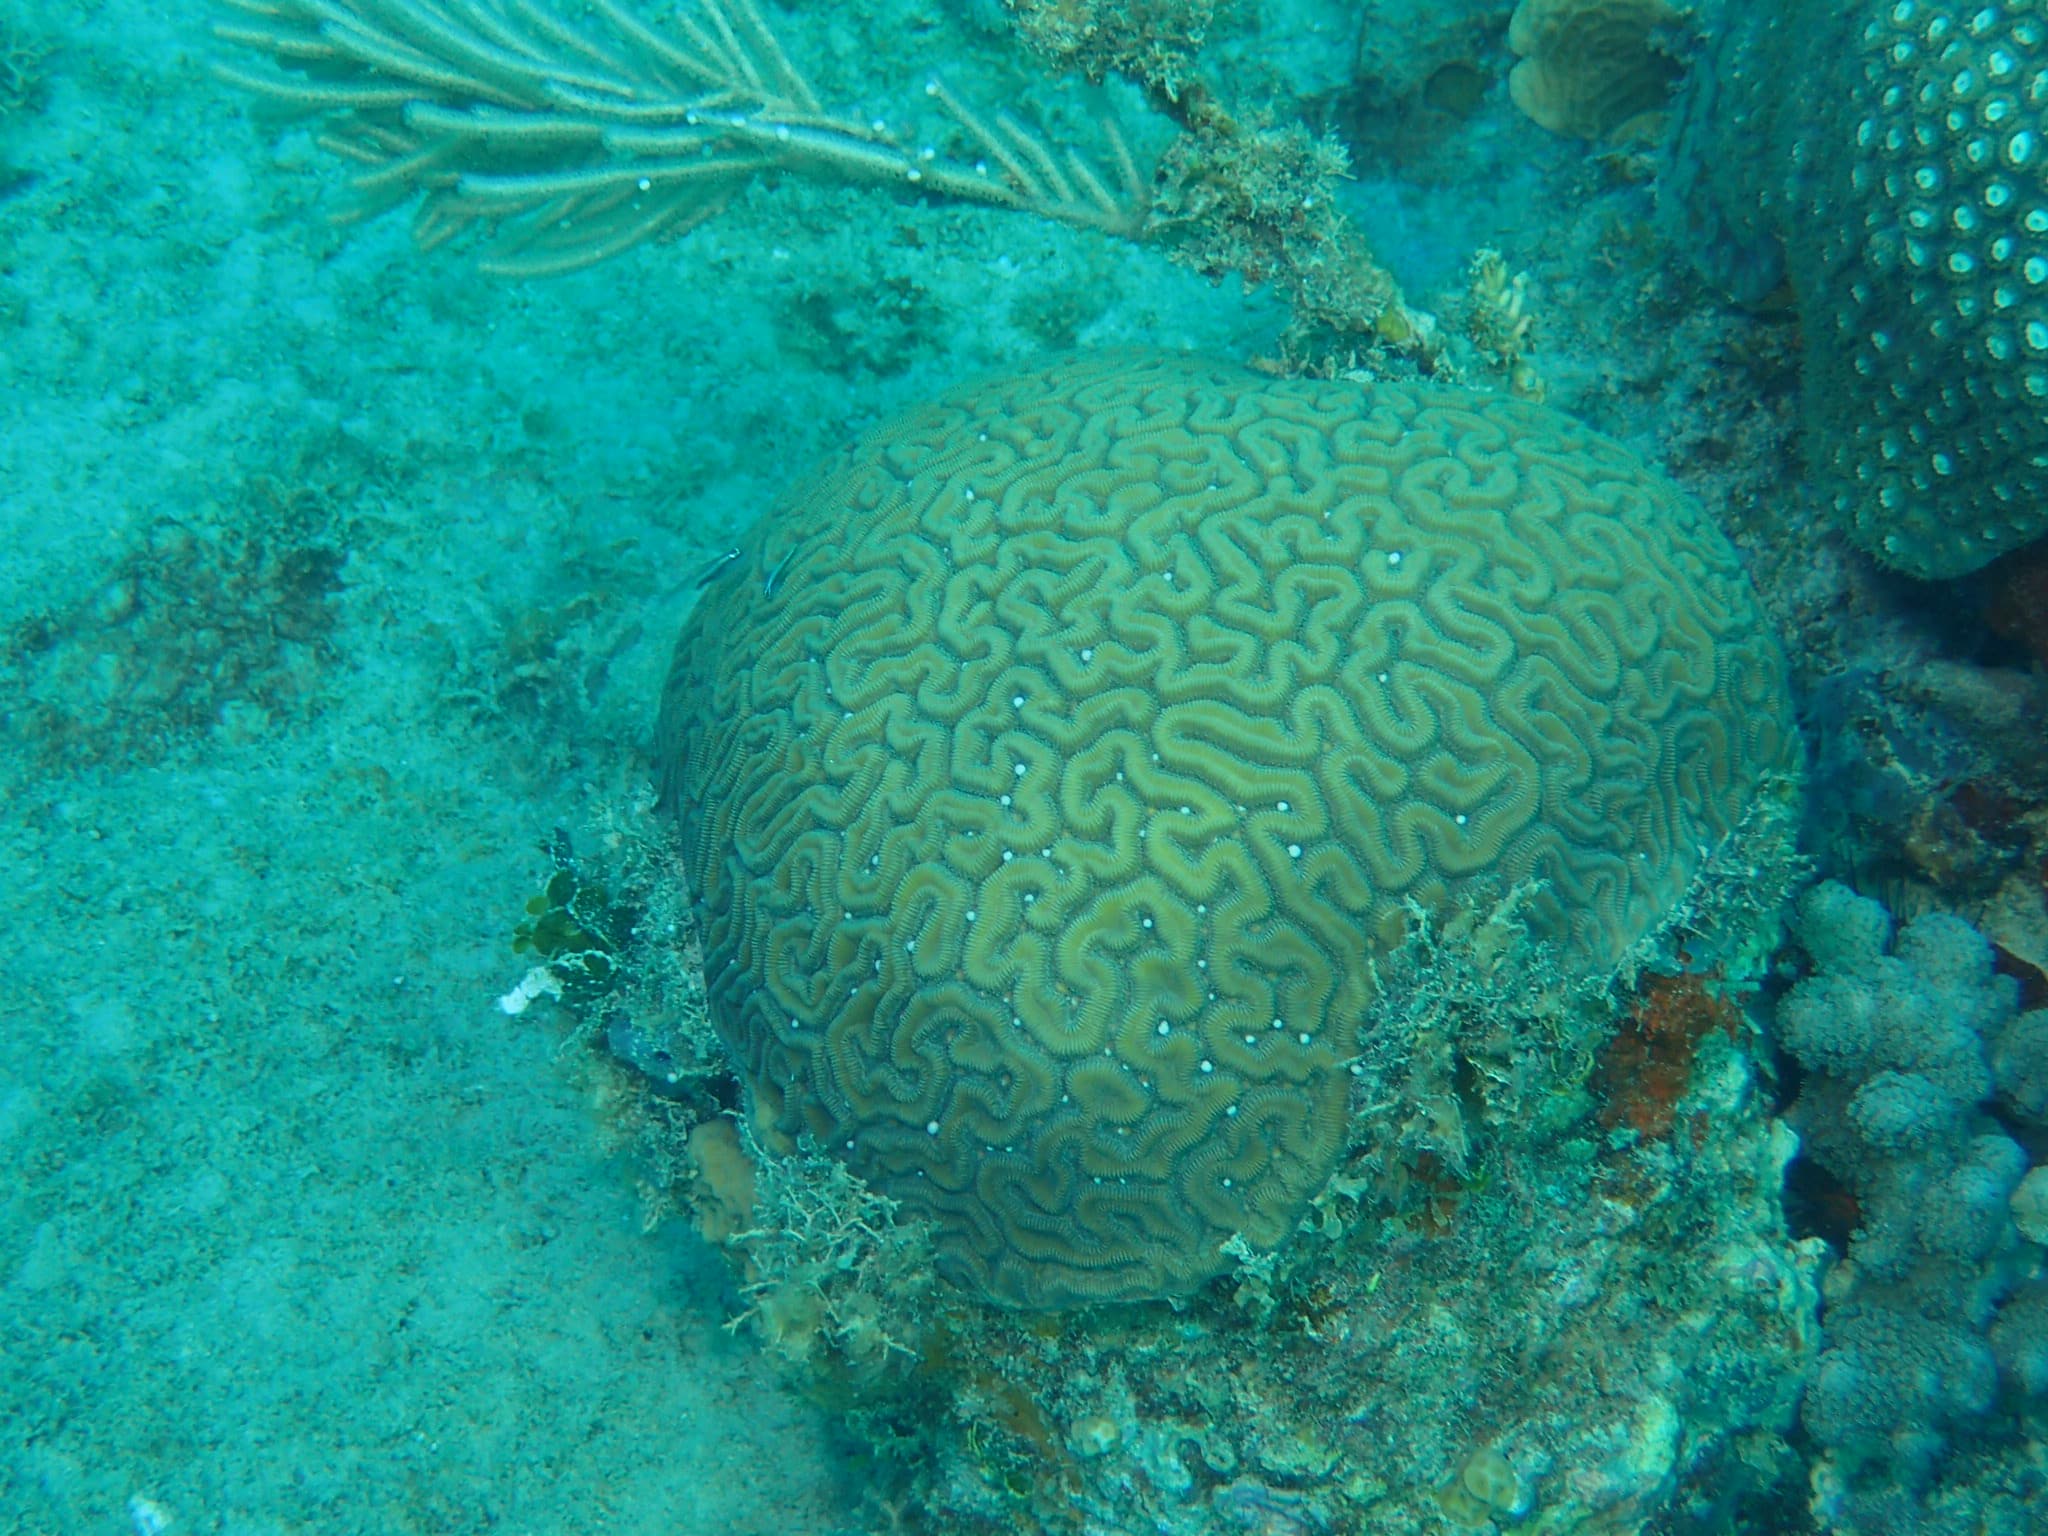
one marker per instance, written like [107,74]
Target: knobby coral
[1904,1043]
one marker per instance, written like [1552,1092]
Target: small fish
[710,572]
[768,586]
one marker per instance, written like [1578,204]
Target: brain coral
[1888,157]
[1048,766]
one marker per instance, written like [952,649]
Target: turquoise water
[335,577]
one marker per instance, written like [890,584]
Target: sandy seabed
[333,580]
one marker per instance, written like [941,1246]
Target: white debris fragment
[535,984]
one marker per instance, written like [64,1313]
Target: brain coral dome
[1052,765]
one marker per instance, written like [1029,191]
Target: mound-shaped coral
[1049,767]
[1887,156]
[1588,66]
